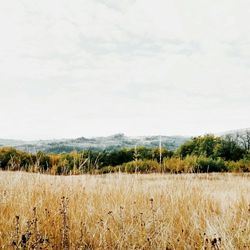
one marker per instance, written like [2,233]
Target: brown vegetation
[120,211]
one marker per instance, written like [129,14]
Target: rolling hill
[111,142]
[95,143]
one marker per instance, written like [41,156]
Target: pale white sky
[141,67]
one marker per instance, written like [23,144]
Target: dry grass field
[120,211]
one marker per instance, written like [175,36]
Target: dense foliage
[201,154]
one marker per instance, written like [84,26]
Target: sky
[139,67]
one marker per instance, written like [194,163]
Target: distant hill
[234,132]
[95,143]
[115,141]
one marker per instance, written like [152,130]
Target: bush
[189,158]
[192,164]
[206,164]
[173,165]
[142,166]
[178,165]
[11,158]
[238,166]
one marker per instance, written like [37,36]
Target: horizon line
[127,135]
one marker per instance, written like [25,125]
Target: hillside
[95,143]
[115,141]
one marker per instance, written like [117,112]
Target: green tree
[229,149]
[200,146]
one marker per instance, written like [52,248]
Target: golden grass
[120,211]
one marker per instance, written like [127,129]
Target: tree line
[207,153]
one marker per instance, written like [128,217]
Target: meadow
[124,211]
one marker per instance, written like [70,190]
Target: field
[121,211]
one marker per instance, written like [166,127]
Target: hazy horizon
[128,135]
[101,67]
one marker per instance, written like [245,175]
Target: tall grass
[120,211]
